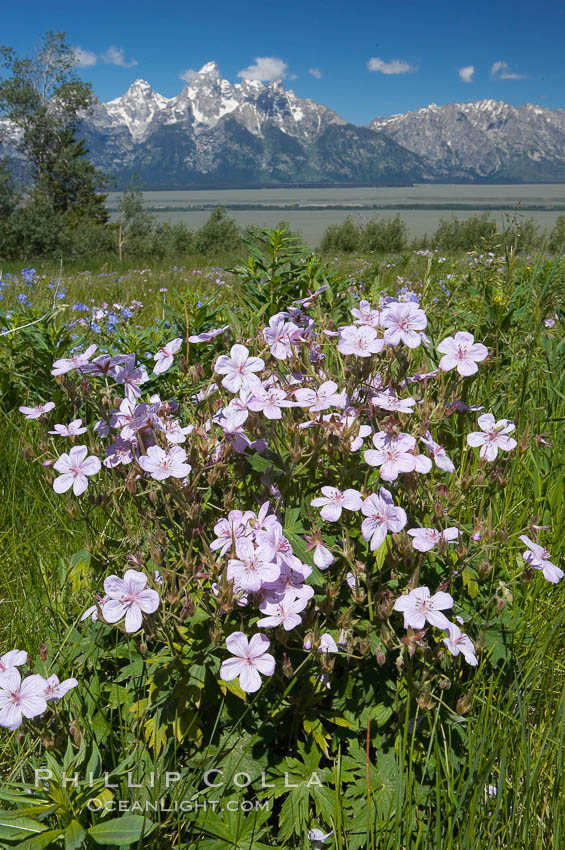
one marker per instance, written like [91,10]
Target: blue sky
[363,59]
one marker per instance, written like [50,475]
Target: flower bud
[43,652]
[287,667]
[464,703]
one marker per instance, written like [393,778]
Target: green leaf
[41,841]
[74,835]
[121,831]
[13,826]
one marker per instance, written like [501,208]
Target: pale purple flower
[238,368]
[538,558]
[174,432]
[327,643]
[20,699]
[279,548]
[322,556]
[278,335]
[67,364]
[418,606]
[367,315]
[130,598]
[325,396]
[130,374]
[165,356]
[74,467]
[161,464]
[237,410]
[392,454]
[426,538]
[334,500]
[387,401]
[402,323]
[382,517]
[461,352]
[360,340]
[206,336]
[251,659]
[227,531]
[269,402]
[38,410]
[438,453]
[71,430]
[11,660]
[120,452]
[56,690]
[492,436]
[283,612]
[253,566]
[318,838]
[458,642]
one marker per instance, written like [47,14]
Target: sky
[362,59]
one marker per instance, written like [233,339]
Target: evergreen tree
[44,101]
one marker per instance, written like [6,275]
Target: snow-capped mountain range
[487,139]
[216,134]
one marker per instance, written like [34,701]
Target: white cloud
[315,73]
[501,71]
[265,69]
[115,56]
[466,73]
[395,66]
[188,75]
[84,58]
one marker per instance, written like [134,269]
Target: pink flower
[418,606]
[402,323]
[161,464]
[165,355]
[269,402]
[237,410]
[367,315]
[382,517]
[461,352]
[20,699]
[322,556]
[206,336]
[325,396]
[278,336]
[55,690]
[67,364]
[362,341]
[283,612]
[392,454]
[253,566]
[38,410]
[438,453]
[334,500]
[251,659]
[75,466]
[11,660]
[129,597]
[238,368]
[387,401]
[538,558]
[458,642]
[227,531]
[426,538]
[73,429]
[492,436]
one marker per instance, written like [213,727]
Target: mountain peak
[210,69]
